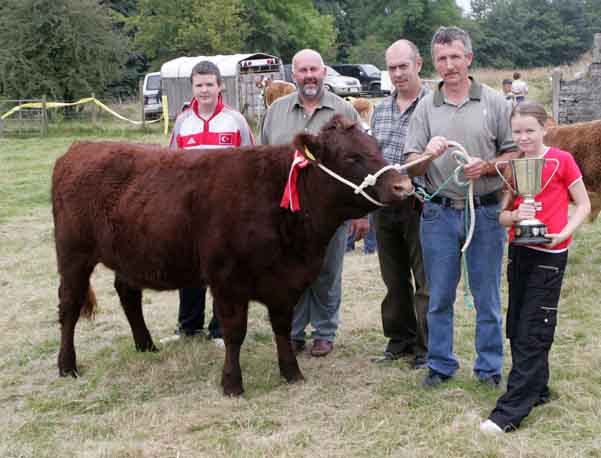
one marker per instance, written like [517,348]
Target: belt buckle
[457,204]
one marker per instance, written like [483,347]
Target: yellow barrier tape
[165,114]
[79,102]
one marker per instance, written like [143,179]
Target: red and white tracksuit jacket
[226,128]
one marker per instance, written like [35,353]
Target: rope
[461,157]
[370,180]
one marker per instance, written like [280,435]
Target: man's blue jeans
[442,234]
[320,303]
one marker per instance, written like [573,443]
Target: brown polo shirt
[286,117]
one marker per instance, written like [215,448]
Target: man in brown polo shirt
[308,109]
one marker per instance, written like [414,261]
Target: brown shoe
[321,347]
[298,346]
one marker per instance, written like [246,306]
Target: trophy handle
[503,178]
[554,172]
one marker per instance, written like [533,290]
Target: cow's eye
[353,158]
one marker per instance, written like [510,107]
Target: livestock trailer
[241,75]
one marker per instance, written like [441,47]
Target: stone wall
[579,100]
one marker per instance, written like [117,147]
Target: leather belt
[483,200]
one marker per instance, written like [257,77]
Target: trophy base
[532,233]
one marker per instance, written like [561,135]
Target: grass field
[169,404]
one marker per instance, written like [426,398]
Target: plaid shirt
[389,127]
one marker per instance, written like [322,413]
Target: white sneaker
[172,338]
[218,342]
[490,426]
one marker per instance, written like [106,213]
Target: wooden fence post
[142,103]
[94,111]
[44,116]
[555,88]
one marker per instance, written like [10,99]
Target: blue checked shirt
[389,127]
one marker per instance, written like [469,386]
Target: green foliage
[65,49]
[531,33]
[283,28]
[368,29]
[165,30]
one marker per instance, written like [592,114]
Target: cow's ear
[339,122]
[307,145]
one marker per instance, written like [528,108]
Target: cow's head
[344,147]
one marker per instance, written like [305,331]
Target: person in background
[405,305]
[535,272]
[477,117]
[207,123]
[519,88]
[308,109]
[507,92]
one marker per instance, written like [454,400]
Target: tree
[529,33]
[283,28]
[165,30]
[65,49]
[382,22]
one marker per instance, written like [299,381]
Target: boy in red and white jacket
[206,124]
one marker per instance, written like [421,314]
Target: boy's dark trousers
[191,317]
[535,279]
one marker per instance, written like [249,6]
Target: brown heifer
[583,140]
[273,90]
[167,220]
[364,107]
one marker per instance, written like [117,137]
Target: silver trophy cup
[527,175]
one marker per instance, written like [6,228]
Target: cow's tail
[88,309]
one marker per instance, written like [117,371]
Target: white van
[152,95]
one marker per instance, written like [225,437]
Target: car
[341,85]
[153,107]
[369,75]
[334,81]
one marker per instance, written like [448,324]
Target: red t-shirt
[555,198]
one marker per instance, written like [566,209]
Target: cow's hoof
[66,372]
[295,378]
[233,391]
[148,346]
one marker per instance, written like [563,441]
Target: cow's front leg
[234,320]
[281,322]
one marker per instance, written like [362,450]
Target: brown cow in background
[274,89]
[364,107]
[583,140]
[165,220]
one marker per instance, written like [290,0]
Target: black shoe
[493,382]
[433,379]
[420,362]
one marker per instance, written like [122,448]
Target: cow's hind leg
[131,301]
[234,322]
[75,298]
[281,321]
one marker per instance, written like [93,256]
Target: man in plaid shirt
[405,305]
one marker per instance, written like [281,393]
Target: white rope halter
[370,180]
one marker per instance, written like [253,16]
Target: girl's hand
[525,211]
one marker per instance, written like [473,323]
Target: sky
[464,4]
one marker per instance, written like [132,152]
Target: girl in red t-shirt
[535,272]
